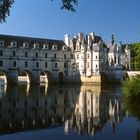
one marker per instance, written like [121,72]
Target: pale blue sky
[44,19]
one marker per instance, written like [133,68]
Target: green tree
[131,92]
[5,6]
[135,56]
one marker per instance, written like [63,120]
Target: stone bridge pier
[35,79]
[12,76]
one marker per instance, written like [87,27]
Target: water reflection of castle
[84,109]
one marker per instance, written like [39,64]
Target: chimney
[67,39]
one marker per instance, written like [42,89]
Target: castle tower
[83,56]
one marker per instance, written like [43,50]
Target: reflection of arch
[4,77]
[44,88]
[60,77]
[25,76]
[45,77]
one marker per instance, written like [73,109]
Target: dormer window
[1,43]
[54,47]
[25,44]
[36,46]
[64,47]
[45,46]
[14,44]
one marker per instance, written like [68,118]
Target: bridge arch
[4,77]
[45,77]
[25,76]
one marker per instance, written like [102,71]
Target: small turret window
[54,47]
[14,44]
[64,47]
[25,44]
[36,45]
[45,46]
[1,43]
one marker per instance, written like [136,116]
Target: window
[45,46]
[77,56]
[65,65]
[77,65]
[26,54]
[88,64]
[115,59]
[55,55]
[71,56]
[54,47]
[46,64]
[14,44]
[14,53]
[36,55]
[26,64]
[55,65]
[37,64]
[1,63]
[96,66]
[96,56]
[87,55]
[64,47]
[25,45]
[118,60]
[1,43]
[14,64]
[64,56]
[36,45]
[46,55]
[1,52]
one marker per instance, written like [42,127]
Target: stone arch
[25,76]
[4,77]
[45,77]
[60,77]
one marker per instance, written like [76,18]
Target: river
[65,112]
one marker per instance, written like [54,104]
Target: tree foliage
[131,90]
[135,56]
[5,9]
[5,6]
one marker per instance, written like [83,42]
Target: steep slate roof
[20,40]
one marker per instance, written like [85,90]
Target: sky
[45,19]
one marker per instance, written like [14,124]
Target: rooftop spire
[112,39]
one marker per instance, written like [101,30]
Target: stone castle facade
[82,58]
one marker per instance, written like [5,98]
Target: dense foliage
[5,9]
[6,4]
[131,89]
[135,56]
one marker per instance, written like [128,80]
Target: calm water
[66,112]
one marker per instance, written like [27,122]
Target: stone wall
[90,80]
